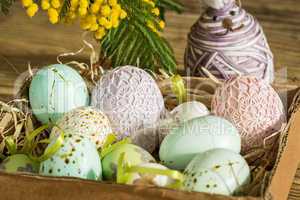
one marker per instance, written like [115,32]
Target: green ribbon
[121,175]
[124,169]
[11,145]
[51,150]
[29,139]
[111,147]
[178,88]
[30,145]
[111,138]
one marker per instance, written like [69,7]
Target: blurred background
[24,40]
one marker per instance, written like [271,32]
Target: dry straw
[16,121]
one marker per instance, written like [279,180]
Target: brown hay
[19,123]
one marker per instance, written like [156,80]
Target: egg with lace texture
[218,171]
[253,106]
[131,99]
[85,121]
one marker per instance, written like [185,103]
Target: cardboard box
[25,186]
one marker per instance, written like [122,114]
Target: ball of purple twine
[228,42]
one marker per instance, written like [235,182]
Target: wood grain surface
[24,40]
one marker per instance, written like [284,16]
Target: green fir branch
[64,9]
[5,6]
[134,43]
[170,5]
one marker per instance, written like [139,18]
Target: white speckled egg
[85,121]
[253,106]
[55,90]
[189,110]
[131,99]
[218,171]
[196,136]
[78,157]
[135,178]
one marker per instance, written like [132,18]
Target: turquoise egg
[218,171]
[55,90]
[197,136]
[78,157]
[19,163]
[134,155]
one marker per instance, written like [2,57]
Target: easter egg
[189,110]
[78,157]
[228,41]
[135,178]
[134,155]
[55,90]
[217,4]
[218,171]
[131,99]
[196,136]
[252,106]
[151,137]
[19,163]
[85,121]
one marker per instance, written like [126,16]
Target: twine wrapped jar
[228,41]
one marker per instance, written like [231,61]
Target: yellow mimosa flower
[105,10]
[27,3]
[55,3]
[32,10]
[123,14]
[45,4]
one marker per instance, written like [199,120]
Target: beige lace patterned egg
[85,121]
[252,106]
[131,99]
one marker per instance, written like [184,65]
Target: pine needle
[64,8]
[5,5]
[134,43]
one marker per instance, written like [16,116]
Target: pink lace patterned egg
[253,106]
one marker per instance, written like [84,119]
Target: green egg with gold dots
[78,157]
[217,171]
[134,155]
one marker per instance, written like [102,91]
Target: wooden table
[24,40]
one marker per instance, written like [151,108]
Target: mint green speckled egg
[19,163]
[78,157]
[55,90]
[134,155]
[218,171]
[197,136]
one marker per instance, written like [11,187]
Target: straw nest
[17,121]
